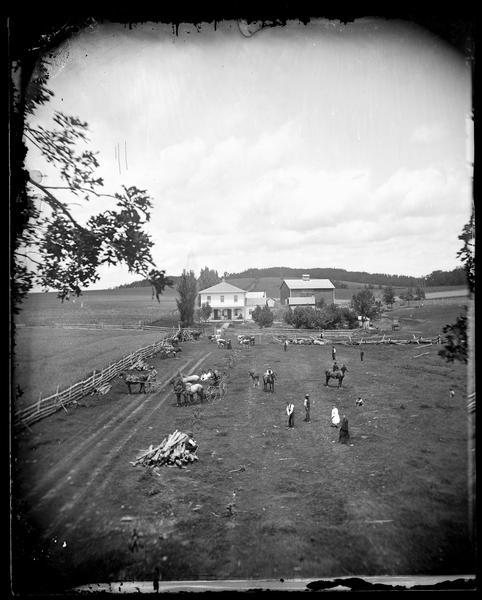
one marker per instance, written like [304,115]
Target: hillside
[272,277]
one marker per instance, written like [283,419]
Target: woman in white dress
[335,417]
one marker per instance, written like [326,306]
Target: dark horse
[268,382]
[334,375]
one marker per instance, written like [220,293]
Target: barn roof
[255,294]
[318,284]
[222,287]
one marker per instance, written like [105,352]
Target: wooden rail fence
[60,400]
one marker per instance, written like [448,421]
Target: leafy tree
[320,303]
[207,278]
[264,318]
[187,290]
[205,311]
[388,296]
[364,304]
[407,295]
[255,314]
[456,346]
[51,247]
[419,293]
[288,316]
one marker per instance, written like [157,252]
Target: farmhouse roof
[302,300]
[255,294]
[318,284]
[222,287]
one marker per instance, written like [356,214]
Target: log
[423,354]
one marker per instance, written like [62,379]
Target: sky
[319,145]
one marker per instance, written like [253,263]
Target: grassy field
[393,501]
[125,306]
[49,357]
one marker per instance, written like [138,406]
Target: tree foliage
[365,305]
[187,291]
[388,295]
[263,316]
[207,278]
[455,348]
[329,317]
[51,247]
[205,311]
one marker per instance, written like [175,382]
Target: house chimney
[305,277]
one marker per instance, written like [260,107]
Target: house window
[222,299]
[235,298]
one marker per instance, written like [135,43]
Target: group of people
[335,418]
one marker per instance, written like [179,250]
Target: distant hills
[436,278]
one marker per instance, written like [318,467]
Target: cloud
[428,134]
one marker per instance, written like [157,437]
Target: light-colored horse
[191,390]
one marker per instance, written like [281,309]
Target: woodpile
[177,449]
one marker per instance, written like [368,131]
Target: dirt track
[303,505]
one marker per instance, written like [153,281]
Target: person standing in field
[307,408]
[155,579]
[344,436]
[333,353]
[343,369]
[335,417]
[290,411]
[285,345]
[362,354]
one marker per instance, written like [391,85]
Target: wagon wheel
[211,392]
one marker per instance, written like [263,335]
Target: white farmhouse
[227,301]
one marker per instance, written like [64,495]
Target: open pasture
[124,306]
[47,357]
[263,501]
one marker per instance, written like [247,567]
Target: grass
[392,502]
[126,306]
[49,357]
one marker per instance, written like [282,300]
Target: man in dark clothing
[333,353]
[343,369]
[307,408]
[335,366]
[362,354]
[290,411]
[344,435]
[155,579]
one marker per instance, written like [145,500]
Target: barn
[308,290]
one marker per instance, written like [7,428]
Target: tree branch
[58,204]
[51,187]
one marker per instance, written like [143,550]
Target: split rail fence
[47,406]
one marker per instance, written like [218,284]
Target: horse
[139,378]
[192,389]
[268,382]
[254,378]
[334,375]
[221,343]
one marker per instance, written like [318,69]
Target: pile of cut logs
[177,449]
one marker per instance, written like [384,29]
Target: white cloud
[428,134]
